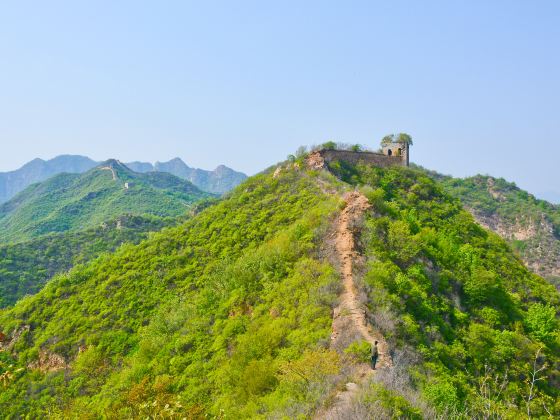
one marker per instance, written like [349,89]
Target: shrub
[541,322]
[330,145]
[360,351]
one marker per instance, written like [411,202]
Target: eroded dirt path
[350,315]
[356,205]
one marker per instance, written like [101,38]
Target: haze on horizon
[476,84]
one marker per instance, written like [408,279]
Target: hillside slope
[531,226]
[232,314]
[39,170]
[71,202]
[26,266]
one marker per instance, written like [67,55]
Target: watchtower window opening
[389,152]
[399,152]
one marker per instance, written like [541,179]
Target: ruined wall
[397,149]
[370,158]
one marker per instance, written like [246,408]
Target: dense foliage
[26,266]
[530,225]
[402,138]
[229,311]
[229,314]
[72,202]
[475,322]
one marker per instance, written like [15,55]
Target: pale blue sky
[476,83]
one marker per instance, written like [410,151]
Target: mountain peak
[178,160]
[111,162]
[114,164]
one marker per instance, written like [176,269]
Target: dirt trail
[351,313]
[350,306]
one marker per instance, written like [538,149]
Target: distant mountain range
[39,170]
[218,181]
[72,202]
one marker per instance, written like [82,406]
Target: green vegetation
[26,266]
[228,315]
[72,202]
[229,311]
[330,145]
[360,351]
[531,226]
[397,138]
[473,319]
[356,148]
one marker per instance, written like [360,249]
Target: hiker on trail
[374,355]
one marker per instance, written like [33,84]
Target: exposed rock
[494,192]
[315,161]
[7,344]
[48,362]
[521,230]
[540,249]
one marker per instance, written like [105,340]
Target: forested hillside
[73,202]
[229,315]
[531,226]
[26,266]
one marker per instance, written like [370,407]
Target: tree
[397,138]
[330,145]
[535,376]
[388,139]
[404,138]
[301,151]
[542,323]
[356,148]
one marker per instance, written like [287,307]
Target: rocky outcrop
[533,238]
[315,161]
[48,362]
[531,226]
[7,342]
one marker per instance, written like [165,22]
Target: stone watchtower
[397,148]
[394,152]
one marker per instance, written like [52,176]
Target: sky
[244,83]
